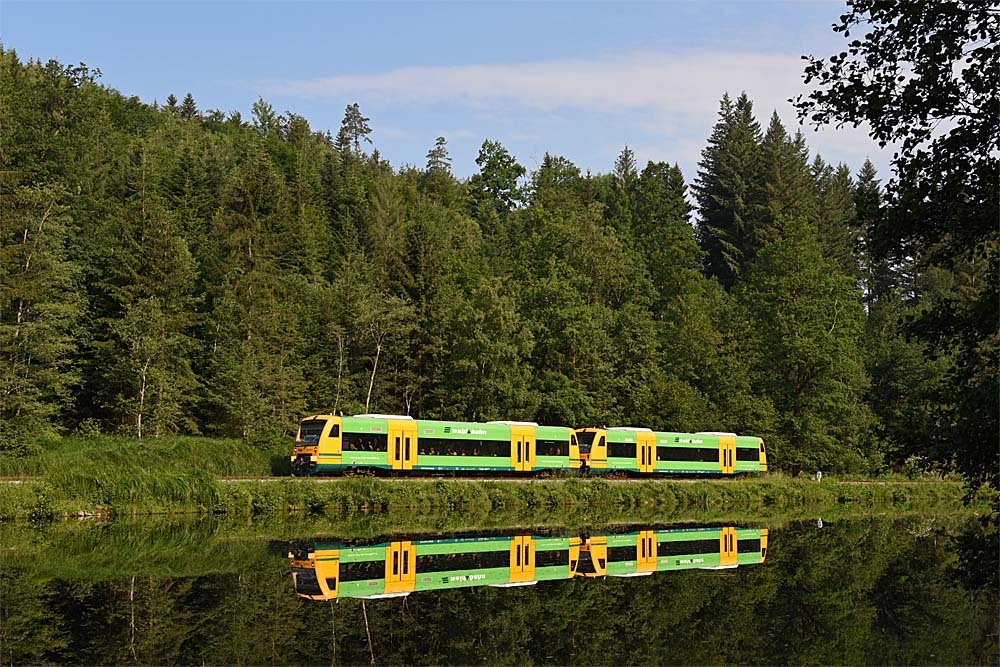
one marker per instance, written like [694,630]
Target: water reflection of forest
[871,591]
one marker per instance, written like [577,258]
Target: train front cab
[593,448]
[315,572]
[593,557]
[317,445]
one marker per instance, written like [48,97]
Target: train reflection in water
[327,570]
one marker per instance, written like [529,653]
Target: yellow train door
[522,559]
[646,551]
[522,447]
[402,444]
[645,455]
[727,547]
[727,454]
[400,567]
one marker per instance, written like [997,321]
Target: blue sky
[579,79]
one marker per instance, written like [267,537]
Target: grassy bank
[217,457]
[123,477]
[66,494]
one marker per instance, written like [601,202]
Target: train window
[306,582]
[586,440]
[362,570]
[745,454]
[551,558]
[331,583]
[621,450]
[361,442]
[335,431]
[687,454]
[311,428]
[552,447]
[463,561]
[456,447]
[687,547]
[622,554]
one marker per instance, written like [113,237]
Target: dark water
[873,591]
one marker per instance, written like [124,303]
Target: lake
[915,590]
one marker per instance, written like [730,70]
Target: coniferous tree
[438,160]
[784,186]
[619,197]
[837,220]
[145,348]
[188,108]
[724,190]
[39,308]
[354,129]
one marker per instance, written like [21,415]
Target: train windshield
[306,582]
[586,440]
[311,429]
[585,565]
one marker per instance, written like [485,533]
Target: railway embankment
[198,493]
[114,478]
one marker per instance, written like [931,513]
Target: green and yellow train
[328,444]
[328,570]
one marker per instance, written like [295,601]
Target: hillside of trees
[170,269]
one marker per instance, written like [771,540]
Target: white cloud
[690,84]
[671,100]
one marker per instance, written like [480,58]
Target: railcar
[324,570]
[328,570]
[641,553]
[643,451]
[374,442]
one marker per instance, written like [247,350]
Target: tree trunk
[371,383]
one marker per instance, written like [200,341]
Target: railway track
[327,480]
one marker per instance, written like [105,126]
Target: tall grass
[216,456]
[150,492]
[118,476]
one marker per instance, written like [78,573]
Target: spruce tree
[724,189]
[619,198]
[188,108]
[40,306]
[784,186]
[836,217]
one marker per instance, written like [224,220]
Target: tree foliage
[171,270]
[923,76]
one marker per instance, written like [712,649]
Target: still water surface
[875,591]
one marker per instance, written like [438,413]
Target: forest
[168,269]
[866,591]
